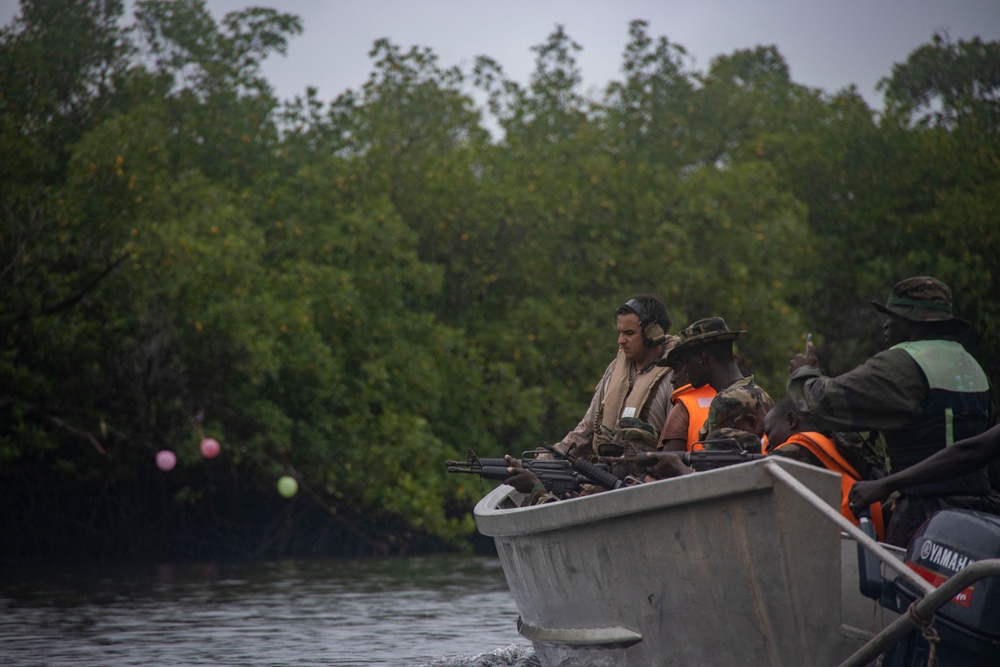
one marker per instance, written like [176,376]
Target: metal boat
[744,565]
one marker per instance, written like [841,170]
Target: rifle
[708,459]
[595,474]
[699,459]
[557,475]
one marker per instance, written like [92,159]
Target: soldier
[705,354]
[791,434]
[922,394]
[633,384]
[689,409]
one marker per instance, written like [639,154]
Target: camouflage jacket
[886,393]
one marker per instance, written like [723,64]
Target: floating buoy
[287,486]
[210,448]
[166,460]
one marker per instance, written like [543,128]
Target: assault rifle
[596,475]
[699,459]
[559,475]
[710,459]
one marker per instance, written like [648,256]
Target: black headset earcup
[653,334]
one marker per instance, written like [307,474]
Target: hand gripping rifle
[594,473]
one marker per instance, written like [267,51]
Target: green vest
[957,407]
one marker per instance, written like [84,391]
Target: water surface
[443,611]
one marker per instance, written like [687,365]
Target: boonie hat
[729,405]
[922,299]
[702,332]
[635,431]
[632,433]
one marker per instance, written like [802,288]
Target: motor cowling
[969,624]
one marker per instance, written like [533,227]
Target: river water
[434,611]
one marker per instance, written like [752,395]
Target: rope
[930,635]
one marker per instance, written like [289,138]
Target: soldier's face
[629,336]
[695,369]
[777,427]
[678,377]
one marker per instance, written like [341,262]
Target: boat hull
[721,567]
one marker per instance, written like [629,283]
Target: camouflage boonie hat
[633,434]
[921,299]
[636,432]
[735,402]
[724,439]
[708,330]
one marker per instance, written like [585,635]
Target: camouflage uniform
[883,394]
[743,397]
[539,497]
[633,434]
[890,393]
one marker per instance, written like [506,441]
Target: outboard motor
[968,626]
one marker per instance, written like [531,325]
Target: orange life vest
[824,449]
[696,401]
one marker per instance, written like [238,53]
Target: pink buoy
[210,448]
[166,460]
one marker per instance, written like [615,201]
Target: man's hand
[864,494]
[523,480]
[807,359]
[667,465]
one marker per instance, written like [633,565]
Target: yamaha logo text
[943,556]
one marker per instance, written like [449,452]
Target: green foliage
[352,293]
[947,83]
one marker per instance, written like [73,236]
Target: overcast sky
[828,44]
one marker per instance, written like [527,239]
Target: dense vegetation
[351,293]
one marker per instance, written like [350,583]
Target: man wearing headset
[633,385]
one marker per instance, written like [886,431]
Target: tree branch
[72,300]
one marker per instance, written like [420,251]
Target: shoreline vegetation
[344,295]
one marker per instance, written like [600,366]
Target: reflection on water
[444,611]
